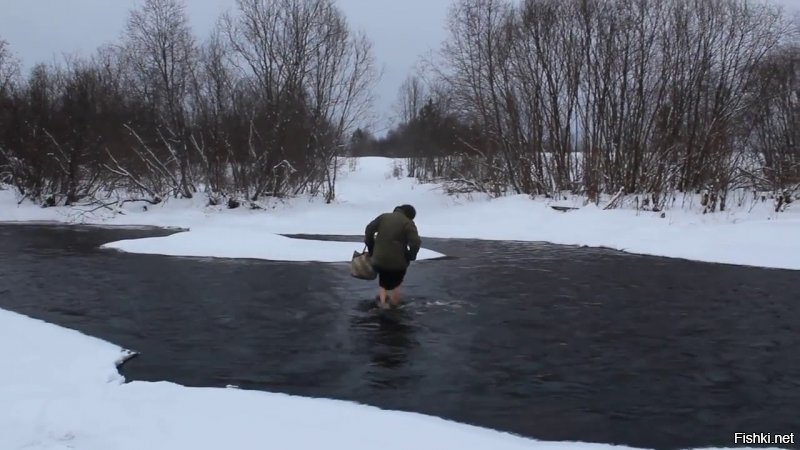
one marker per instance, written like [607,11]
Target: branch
[119,170]
[615,199]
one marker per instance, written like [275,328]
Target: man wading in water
[392,242]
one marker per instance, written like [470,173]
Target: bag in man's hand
[361,267]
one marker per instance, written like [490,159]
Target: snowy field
[61,390]
[751,234]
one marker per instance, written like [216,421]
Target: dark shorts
[390,279]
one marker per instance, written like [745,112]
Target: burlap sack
[361,267]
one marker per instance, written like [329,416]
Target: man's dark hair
[408,211]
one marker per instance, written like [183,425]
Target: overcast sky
[401,30]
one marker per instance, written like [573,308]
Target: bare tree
[9,67]
[162,55]
[341,83]
[411,96]
[313,76]
[213,108]
[774,163]
[478,57]
[9,71]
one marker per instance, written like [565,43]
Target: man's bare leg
[382,294]
[394,298]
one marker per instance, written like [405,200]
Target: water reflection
[387,339]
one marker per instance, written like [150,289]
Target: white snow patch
[245,242]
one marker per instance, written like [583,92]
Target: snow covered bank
[247,242]
[60,389]
[750,234]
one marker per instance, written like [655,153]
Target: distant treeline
[259,108]
[609,97]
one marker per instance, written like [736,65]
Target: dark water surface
[550,342]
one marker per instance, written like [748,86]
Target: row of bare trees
[260,108]
[610,96]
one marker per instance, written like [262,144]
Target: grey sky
[401,30]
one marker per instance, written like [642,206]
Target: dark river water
[550,342]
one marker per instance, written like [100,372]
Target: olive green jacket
[393,241]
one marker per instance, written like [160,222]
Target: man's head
[407,210]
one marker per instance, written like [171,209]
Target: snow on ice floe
[60,390]
[247,243]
